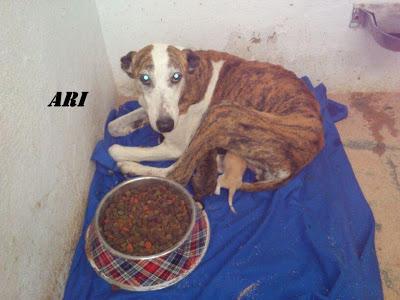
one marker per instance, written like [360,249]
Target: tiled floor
[371,135]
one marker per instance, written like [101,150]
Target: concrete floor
[371,136]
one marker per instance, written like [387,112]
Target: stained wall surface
[45,47]
[309,37]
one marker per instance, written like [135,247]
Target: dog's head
[159,72]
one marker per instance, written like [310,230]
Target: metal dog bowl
[132,184]
[153,272]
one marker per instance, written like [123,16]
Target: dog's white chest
[188,123]
[181,136]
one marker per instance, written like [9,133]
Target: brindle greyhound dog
[206,101]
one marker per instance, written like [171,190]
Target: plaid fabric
[149,274]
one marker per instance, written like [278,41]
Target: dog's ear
[126,62]
[193,60]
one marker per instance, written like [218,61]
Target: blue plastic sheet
[310,239]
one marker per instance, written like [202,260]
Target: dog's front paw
[116,128]
[117,152]
[129,167]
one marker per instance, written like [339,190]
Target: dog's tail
[263,185]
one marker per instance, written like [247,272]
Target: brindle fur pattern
[260,112]
[204,180]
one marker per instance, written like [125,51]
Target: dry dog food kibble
[145,221]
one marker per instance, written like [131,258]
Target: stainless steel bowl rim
[138,179]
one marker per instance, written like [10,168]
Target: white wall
[46,46]
[310,37]
[49,46]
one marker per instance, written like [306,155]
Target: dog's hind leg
[205,176]
[278,145]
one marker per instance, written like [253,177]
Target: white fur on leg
[220,163]
[124,124]
[160,152]
[222,183]
[218,187]
[230,200]
[282,174]
[134,168]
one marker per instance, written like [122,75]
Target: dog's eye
[176,77]
[145,79]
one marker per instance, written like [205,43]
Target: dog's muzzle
[165,124]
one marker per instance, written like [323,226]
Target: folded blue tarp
[311,239]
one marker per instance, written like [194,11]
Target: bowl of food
[145,218]
[147,234]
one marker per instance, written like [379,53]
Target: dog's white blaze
[188,123]
[178,139]
[164,97]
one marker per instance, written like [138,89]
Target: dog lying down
[260,115]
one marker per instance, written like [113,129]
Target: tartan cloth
[154,273]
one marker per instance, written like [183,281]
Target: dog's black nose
[165,124]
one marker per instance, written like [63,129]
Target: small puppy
[233,168]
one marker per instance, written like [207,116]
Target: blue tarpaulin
[310,239]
